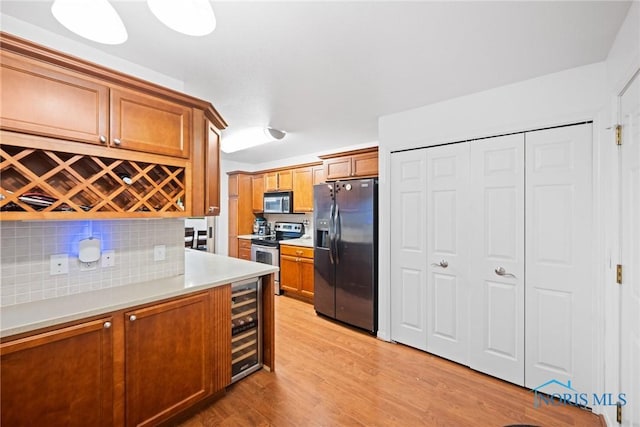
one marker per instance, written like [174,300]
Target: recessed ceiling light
[190,17]
[95,20]
[250,137]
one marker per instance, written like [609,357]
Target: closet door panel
[409,249]
[496,273]
[560,267]
[447,256]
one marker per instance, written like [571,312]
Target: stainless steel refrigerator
[346,251]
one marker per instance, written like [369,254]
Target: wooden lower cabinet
[167,359]
[138,367]
[244,249]
[62,377]
[296,271]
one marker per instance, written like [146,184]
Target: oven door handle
[331,222]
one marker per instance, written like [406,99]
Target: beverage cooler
[246,328]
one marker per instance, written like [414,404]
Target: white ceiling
[325,71]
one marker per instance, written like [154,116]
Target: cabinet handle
[298,252]
[103,139]
[211,208]
[107,325]
[132,318]
[117,141]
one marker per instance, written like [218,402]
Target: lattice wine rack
[37,183]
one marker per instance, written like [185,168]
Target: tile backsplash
[26,248]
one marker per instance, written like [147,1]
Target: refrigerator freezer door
[324,269]
[355,289]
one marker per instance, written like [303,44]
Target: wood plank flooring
[330,375]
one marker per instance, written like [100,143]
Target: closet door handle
[500,271]
[443,264]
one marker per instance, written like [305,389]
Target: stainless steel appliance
[346,252]
[258,224]
[267,249]
[280,202]
[246,328]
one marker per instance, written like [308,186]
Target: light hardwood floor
[330,375]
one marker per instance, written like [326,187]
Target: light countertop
[307,242]
[203,270]
[251,236]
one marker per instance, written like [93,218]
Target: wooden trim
[30,49]
[349,153]
[260,172]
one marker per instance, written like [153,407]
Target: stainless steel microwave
[281,202]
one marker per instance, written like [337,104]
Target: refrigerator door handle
[331,224]
[337,234]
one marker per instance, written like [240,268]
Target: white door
[630,256]
[559,251]
[496,274]
[447,251]
[408,248]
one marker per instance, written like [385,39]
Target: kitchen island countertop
[203,270]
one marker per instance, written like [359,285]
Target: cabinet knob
[117,141]
[107,325]
[132,317]
[103,139]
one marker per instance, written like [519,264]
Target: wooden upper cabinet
[150,124]
[278,180]
[167,358]
[355,164]
[212,171]
[318,175]
[41,99]
[303,190]
[257,190]
[61,377]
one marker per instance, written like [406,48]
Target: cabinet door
[212,171]
[167,358]
[234,188]
[497,301]
[38,99]
[409,248]
[271,181]
[318,175]
[62,377]
[146,123]
[303,190]
[447,251]
[559,236]
[337,168]
[289,273]
[306,277]
[245,202]
[364,165]
[257,189]
[285,180]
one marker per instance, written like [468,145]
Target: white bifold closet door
[447,251]
[496,271]
[559,235]
[409,248]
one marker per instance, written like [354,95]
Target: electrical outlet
[88,266]
[159,252]
[108,258]
[58,264]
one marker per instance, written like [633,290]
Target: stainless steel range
[267,249]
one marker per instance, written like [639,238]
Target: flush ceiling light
[250,137]
[190,17]
[95,20]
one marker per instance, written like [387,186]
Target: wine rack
[246,343]
[37,183]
